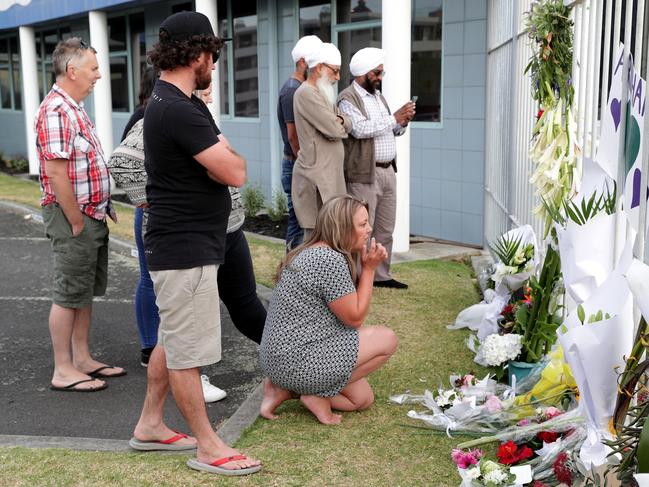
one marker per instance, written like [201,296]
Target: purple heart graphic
[615,111]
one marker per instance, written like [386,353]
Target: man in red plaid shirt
[75,203]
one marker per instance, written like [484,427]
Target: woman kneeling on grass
[314,344]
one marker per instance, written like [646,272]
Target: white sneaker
[211,393]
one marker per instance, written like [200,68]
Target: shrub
[253,200]
[14,164]
[279,208]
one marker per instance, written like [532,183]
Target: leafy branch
[580,213]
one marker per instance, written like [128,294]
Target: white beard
[326,88]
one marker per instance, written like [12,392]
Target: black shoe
[393,283]
[145,355]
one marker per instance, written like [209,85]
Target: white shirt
[380,125]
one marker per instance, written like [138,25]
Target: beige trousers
[381,196]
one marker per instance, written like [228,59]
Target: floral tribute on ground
[564,395]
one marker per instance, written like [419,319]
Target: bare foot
[321,408]
[63,377]
[92,365]
[160,433]
[273,397]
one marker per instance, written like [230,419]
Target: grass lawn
[372,448]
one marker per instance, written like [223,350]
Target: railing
[599,27]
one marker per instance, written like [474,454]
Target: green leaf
[642,455]
[581,314]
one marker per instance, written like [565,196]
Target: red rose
[548,436]
[510,454]
[538,115]
[561,469]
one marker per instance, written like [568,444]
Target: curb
[231,429]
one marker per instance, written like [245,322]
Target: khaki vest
[359,153]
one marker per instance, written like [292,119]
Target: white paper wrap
[596,351]
[483,317]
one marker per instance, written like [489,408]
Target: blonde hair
[334,226]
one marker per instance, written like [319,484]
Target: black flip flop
[98,375]
[72,388]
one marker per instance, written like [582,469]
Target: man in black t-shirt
[189,168]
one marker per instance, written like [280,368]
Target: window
[238,61]
[357,10]
[46,41]
[5,75]
[182,7]
[358,24]
[224,59]
[15,64]
[351,37]
[349,43]
[426,61]
[127,48]
[315,19]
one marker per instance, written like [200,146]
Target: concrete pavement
[33,415]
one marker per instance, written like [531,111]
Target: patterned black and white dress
[305,347]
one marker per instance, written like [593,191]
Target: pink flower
[493,404]
[552,412]
[523,422]
[465,459]
[467,380]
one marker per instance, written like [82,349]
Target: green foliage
[507,249]
[594,318]
[253,200]
[14,164]
[631,443]
[584,211]
[279,208]
[538,323]
[550,30]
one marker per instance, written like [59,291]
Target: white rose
[496,476]
[472,473]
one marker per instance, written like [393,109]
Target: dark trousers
[294,233]
[238,289]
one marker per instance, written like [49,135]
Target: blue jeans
[294,233]
[146,311]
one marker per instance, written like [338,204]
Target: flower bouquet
[517,254]
[516,251]
[486,473]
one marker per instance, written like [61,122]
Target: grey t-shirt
[285,111]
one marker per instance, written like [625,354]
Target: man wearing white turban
[302,49]
[370,151]
[321,127]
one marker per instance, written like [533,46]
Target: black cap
[183,25]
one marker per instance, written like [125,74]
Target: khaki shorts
[80,262]
[190,320]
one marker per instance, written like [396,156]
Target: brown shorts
[190,321]
[80,262]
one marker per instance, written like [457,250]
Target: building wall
[447,161]
[447,158]
[12,135]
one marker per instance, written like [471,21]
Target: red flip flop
[215,466]
[162,445]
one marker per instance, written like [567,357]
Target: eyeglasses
[215,56]
[336,71]
[379,73]
[82,47]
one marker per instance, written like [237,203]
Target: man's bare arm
[57,171]
[292,138]
[224,165]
